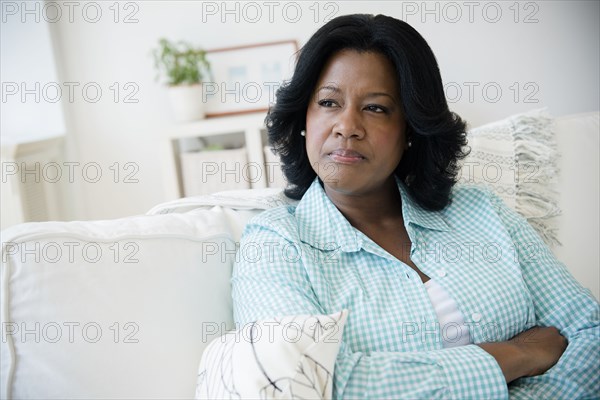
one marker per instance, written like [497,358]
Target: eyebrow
[336,90]
[330,88]
[375,94]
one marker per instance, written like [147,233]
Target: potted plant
[184,68]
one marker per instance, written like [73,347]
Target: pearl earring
[302,132]
[409,143]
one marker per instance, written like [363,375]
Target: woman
[442,299]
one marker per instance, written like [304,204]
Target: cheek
[313,147]
[315,134]
[313,119]
[393,147]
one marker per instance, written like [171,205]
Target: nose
[349,124]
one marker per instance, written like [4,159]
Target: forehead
[354,69]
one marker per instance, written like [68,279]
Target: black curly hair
[430,166]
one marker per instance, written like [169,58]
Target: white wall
[30,106]
[27,60]
[554,59]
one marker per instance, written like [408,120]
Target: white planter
[186,102]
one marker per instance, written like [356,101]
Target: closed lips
[345,153]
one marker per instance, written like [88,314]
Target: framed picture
[245,78]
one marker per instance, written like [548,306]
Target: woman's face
[355,127]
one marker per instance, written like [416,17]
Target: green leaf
[180,63]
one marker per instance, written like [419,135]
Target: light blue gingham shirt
[308,259]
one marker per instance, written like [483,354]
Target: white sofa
[124,308]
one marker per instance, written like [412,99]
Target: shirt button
[476,317]
[441,273]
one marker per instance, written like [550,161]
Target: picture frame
[245,78]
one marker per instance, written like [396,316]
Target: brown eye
[376,108]
[327,103]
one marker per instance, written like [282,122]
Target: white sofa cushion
[578,141]
[113,309]
[239,205]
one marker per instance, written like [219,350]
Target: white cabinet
[31,179]
[209,169]
[205,172]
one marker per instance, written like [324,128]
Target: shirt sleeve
[559,301]
[269,280]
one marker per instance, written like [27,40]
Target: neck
[370,208]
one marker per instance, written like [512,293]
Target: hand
[542,347]
[529,353]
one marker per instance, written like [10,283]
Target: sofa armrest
[113,309]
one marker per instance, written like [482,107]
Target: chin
[346,185]
[354,183]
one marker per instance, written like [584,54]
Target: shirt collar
[323,226]
[415,214]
